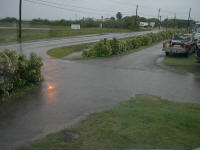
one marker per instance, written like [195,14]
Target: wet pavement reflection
[71,90]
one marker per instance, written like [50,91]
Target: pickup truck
[198,48]
[180,44]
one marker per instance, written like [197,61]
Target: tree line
[127,22]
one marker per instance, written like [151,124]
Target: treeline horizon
[127,22]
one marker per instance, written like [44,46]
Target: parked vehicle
[198,48]
[180,44]
[196,31]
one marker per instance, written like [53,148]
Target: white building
[144,24]
[75,26]
[152,24]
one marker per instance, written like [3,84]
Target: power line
[63,4]
[86,8]
[63,8]
[144,6]
[91,10]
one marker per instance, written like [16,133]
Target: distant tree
[112,18]
[9,20]
[119,15]
[178,23]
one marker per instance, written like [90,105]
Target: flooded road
[73,89]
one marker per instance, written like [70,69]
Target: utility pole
[160,21]
[159,17]
[167,22]
[137,11]
[189,20]
[20,20]
[159,14]
[101,25]
[175,20]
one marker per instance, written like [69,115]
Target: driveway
[74,89]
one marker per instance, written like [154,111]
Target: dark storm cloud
[78,8]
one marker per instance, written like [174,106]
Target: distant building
[101,25]
[144,24]
[75,26]
[152,24]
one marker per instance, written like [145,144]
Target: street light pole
[159,17]
[188,26]
[137,11]
[20,20]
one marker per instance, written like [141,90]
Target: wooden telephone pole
[20,20]
[175,20]
[137,11]
[159,17]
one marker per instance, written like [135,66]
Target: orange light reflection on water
[51,93]
[50,87]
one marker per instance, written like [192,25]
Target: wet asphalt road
[25,28]
[73,89]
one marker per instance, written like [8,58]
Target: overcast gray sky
[75,9]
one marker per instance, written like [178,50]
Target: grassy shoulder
[186,64]
[10,35]
[145,121]
[61,52]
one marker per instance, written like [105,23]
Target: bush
[136,42]
[100,49]
[123,47]
[116,47]
[17,71]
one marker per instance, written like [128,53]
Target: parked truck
[180,44]
[198,48]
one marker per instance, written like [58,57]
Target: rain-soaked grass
[187,64]
[10,35]
[61,52]
[145,121]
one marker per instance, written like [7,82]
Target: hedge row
[116,47]
[17,72]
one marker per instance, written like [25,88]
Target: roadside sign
[75,26]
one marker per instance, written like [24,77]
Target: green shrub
[136,42]
[114,43]
[116,47]
[17,71]
[123,47]
[101,49]
[85,54]
[129,44]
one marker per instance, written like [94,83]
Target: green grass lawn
[10,35]
[61,52]
[142,122]
[186,64]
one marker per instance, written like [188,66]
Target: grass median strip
[145,121]
[10,35]
[61,52]
[186,64]
[131,51]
